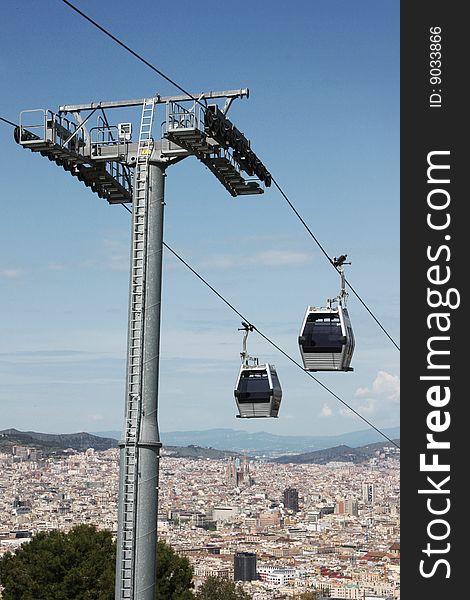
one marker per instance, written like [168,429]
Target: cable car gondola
[258,391]
[326,339]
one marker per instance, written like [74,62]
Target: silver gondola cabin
[326,339]
[258,391]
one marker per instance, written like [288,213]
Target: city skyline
[322,115]
[311,526]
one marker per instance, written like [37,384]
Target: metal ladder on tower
[135,348]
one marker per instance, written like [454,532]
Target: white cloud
[282,257]
[384,385]
[221,262]
[326,411]
[84,340]
[345,412]
[96,418]
[117,254]
[369,407]
[10,273]
[56,357]
[376,400]
[267,258]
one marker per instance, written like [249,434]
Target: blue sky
[323,115]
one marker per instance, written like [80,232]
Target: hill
[50,443]
[338,453]
[196,452]
[56,444]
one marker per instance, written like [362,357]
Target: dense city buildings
[339,532]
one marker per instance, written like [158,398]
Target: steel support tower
[121,171]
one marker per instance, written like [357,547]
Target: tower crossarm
[241,93]
[191,126]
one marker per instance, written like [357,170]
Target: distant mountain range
[338,453]
[266,443]
[236,441]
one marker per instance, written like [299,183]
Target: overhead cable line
[9,122]
[265,337]
[126,47]
[146,62]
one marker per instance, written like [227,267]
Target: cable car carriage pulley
[258,391]
[326,339]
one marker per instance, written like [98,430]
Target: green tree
[215,588]
[80,565]
[174,575]
[314,595]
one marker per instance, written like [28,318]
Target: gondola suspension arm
[338,264]
[246,327]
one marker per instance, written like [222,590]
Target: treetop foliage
[80,565]
[215,588]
